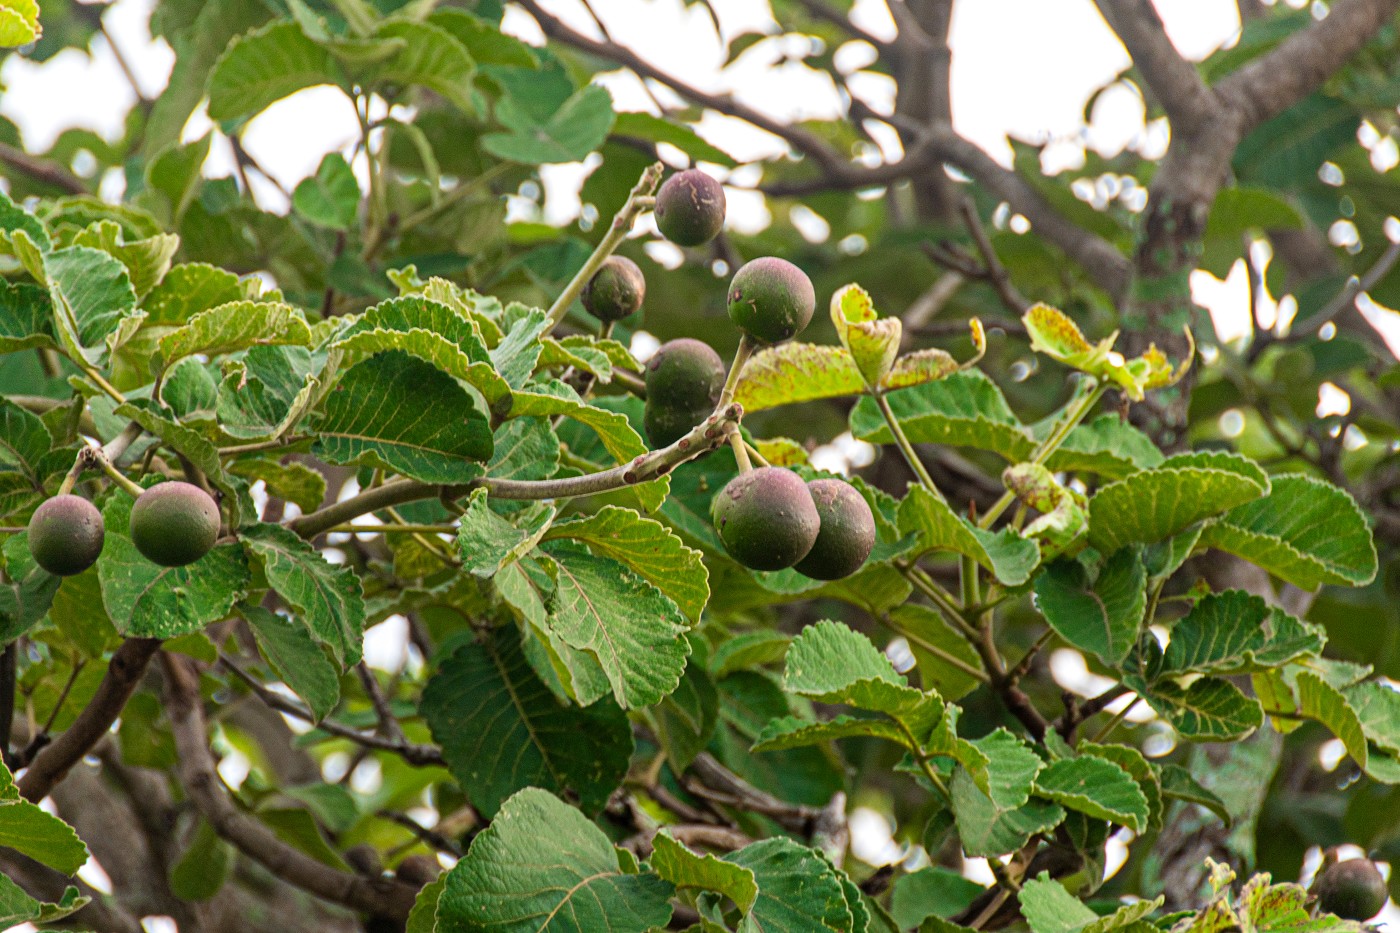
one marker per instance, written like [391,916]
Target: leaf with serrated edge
[37,833]
[1102,616]
[1155,504]
[798,890]
[966,409]
[1319,700]
[298,659]
[632,628]
[541,865]
[487,542]
[649,548]
[796,372]
[795,732]
[683,868]
[1211,709]
[328,596]
[502,730]
[1305,531]
[1097,787]
[234,326]
[1010,557]
[265,66]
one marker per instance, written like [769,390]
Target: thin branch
[821,10]
[1172,79]
[42,170]
[1275,81]
[124,673]
[200,778]
[1346,298]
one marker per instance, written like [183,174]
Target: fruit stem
[350,528]
[1073,416]
[753,452]
[101,459]
[80,463]
[741,453]
[617,231]
[902,442]
[747,345]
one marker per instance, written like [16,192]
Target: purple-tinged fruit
[615,291]
[66,535]
[174,524]
[690,208]
[847,532]
[771,300]
[766,518]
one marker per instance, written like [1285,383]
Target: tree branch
[124,672]
[199,777]
[42,170]
[1172,80]
[1271,83]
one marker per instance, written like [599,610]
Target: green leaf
[231,327]
[146,600]
[1099,610]
[685,720]
[831,663]
[540,865]
[1305,531]
[684,869]
[1211,709]
[26,317]
[1377,706]
[399,413]
[487,542]
[486,44]
[265,66]
[798,890]
[644,126]
[96,294]
[631,627]
[146,260]
[185,441]
[19,23]
[925,629]
[290,646]
[187,290]
[423,917]
[326,595]
[430,57]
[1155,504]
[569,131]
[203,867]
[796,372]
[502,730]
[16,906]
[295,482]
[36,833]
[931,892]
[331,197]
[1049,908]
[1108,445]
[649,548]
[1009,556]
[1319,700]
[796,732]
[1235,632]
[964,410]
[1001,818]
[25,441]
[1097,787]
[1178,784]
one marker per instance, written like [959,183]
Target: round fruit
[771,299]
[685,375]
[1353,890]
[174,524]
[847,531]
[615,291]
[65,535]
[690,208]
[666,425]
[766,518]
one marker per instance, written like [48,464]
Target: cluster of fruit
[768,519]
[172,524]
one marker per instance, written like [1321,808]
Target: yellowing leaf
[19,23]
[873,343]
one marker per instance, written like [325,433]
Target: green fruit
[65,535]
[666,425]
[685,375]
[771,299]
[615,291]
[690,208]
[766,518]
[174,524]
[1353,890]
[847,531]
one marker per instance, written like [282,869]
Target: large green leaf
[147,600]
[96,294]
[1096,609]
[1010,557]
[1107,445]
[187,290]
[430,57]
[1002,817]
[631,627]
[146,260]
[541,866]
[502,730]
[24,440]
[1155,504]
[1236,632]
[487,542]
[26,317]
[326,595]
[964,410]
[290,646]
[1210,709]
[1305,531]
[649,548]
[17,907]
[1319,700]
[265,66]
[798,890]
[234,326]
[546,129]
[397,412]
[684,869]
[1097,787]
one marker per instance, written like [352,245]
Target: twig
[431,837]
[42,170]
[199,776]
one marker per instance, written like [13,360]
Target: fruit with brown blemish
[684,379]
[690,208]
[847,531]
[771,300]
[766,518]
[66,535]
[615,291]
[174,524]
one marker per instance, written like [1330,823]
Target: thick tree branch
[125,671]
[198,775]
[1172,80]
[1271,83]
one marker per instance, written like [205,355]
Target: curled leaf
[873,342]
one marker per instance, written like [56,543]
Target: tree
[400,411]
